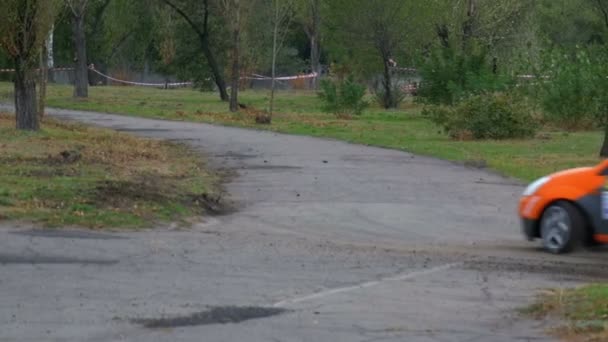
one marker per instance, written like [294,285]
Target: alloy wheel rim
[556,228]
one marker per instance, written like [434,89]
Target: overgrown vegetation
[485,116]
[584,311]
[69,174]
[343,97]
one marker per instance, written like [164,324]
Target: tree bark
[275,34]
[234,91]
[25,97]
[215,70]
[50,56]
[43,79]
[387,83]
[315,41]
[81,70]
[314,60]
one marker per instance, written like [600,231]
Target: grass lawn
[300,113]
[584,309]
[69,174]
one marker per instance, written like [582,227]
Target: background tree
[25,25]
[43,70]
[282,14]
[78,10]
[308,14]
[369,36]
[233,10]
[190,11]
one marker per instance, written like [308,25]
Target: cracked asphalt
[333,241]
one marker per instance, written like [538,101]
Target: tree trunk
[315,42]
[387,83]
[274,61]
[25,97]
[203,36]
[314,60]
[81,71]
[215,70]
[467,27]
[604,149]
[234,91]
[43,78]
[50,57]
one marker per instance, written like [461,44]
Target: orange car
[568,208]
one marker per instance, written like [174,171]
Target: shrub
[343,97]
[486,116]
[450,76]
[393,101]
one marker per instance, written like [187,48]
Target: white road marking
[406,276]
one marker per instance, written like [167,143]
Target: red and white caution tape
[51,69]
[179,84]
[282,78]
[182,84]
[176,84]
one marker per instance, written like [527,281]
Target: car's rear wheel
[561,227]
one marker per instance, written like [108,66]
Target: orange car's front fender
[532,207]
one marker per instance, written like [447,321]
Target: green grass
[584,310]
[300,113]
[108,179]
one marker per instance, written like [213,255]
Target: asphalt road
[331,242]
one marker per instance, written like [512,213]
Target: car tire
[562,227]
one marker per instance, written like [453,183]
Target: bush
[393,101]
[449,76]
[343,97]
[486,116]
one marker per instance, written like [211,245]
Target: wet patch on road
[6,259]
[216,315]
[67,234]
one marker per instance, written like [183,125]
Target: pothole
[215,315]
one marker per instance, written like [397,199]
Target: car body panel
[582,187]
